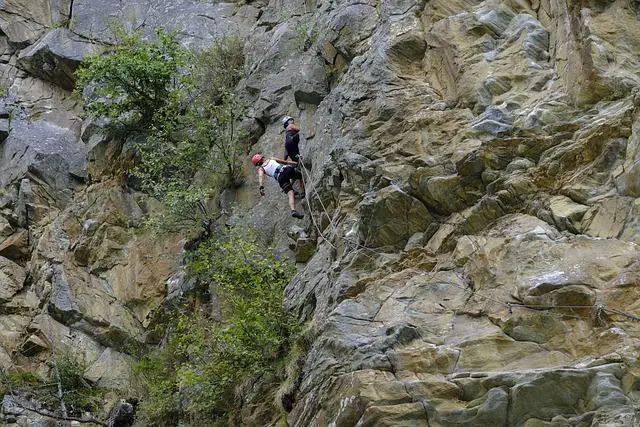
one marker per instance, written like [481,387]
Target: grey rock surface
[198,23]
[57,55]
[472,168]
[51,155]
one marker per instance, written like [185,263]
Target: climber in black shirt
[291,139]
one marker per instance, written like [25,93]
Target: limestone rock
[24,23]
[607,218]
[5,359]
[586,72]
[15,247]
[12,278]
[404,414]
[34,345]
[200,22]
[99,272]
[486,151]
[46,101]
[305,248]
[491,409]
[5,228]
[391,216]
[4,129]
[48,329]
[566,213]
[110,370]
[309,83]
[56,56]
[13,327]
[443,194]
[349,27]
[48,153]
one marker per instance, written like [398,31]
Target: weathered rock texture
[478,163]
[76,272]
[474,176]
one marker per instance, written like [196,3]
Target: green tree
[137,84]
[183,104]
[194,375]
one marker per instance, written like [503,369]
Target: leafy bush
[10,381]
[78,396]
[183,103]
[219,69]
[193,377]
[137,82]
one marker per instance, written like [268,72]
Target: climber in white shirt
[285,173]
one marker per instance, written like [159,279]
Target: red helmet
[256,158]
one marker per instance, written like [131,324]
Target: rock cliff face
[473,178]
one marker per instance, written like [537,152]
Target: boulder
[310,83]
[488,410]
[43,100]
[305,248]
[12,327]
[548,394]
[607,218]
[34,345]
[6,229]
[566,213]
[23,23]
[16,246]
[444,194]
[497,121]
[5,360]
[4,129]
[49,330]
[402,415]
[57,55]
[596,67]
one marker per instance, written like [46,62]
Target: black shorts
[286,176]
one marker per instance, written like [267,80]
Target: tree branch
[58,417]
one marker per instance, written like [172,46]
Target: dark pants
[292,139]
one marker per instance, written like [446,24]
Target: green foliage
[137,83]
[193,377]
[78,395]
[219,69]
[183,103]
[17,380]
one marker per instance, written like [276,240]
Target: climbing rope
[309,181]
[315,224]
[508,305]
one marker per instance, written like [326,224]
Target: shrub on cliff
[208,354]
[182,102]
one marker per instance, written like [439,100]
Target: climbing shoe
[297,214]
